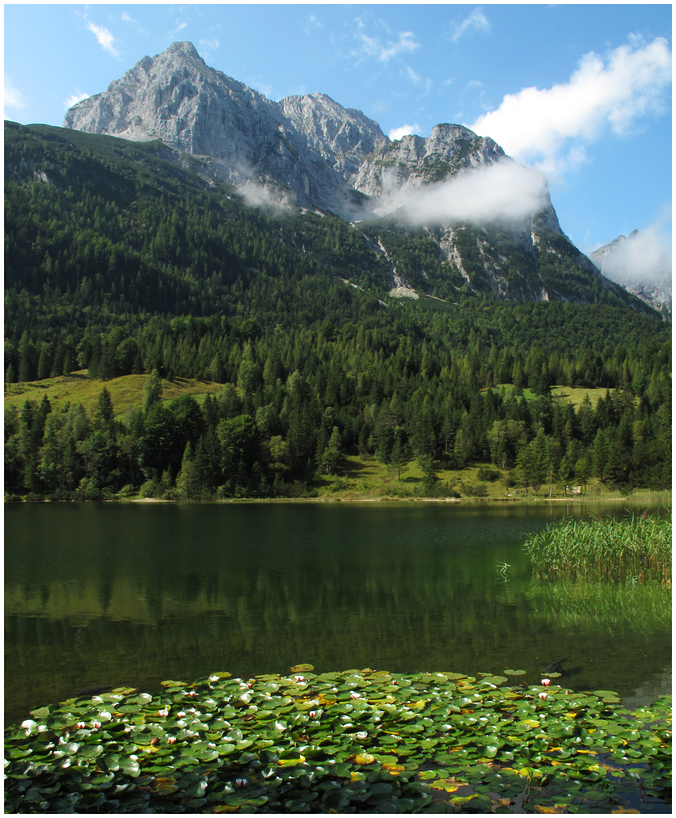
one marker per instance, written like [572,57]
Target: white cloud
[373,47]
[551,126]
[476,21]
[127,19]
[504,191]
[211,43]
[104,37]
[13,97]
[643,256]
[73,99]
[265,197]
[177,30]
[312,23]
[417,79]
[265,88]
[403,130]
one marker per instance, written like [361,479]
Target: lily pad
[362,740]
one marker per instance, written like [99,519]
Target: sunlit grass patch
[126,392]
[565,394]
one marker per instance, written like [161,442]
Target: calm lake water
[132,594]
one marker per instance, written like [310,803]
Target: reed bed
[631,550]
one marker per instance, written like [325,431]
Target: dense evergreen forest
[120,261]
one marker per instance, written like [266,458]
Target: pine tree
[188,482]
[104,410]
[152,390]
[332,455]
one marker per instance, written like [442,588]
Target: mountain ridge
[309,152]
[177,98]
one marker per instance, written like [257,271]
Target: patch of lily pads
[358,741]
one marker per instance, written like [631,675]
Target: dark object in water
[94,691]
[555,667]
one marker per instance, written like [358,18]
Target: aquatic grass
[357,741]
[637,549]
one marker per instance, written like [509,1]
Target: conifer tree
[152,390]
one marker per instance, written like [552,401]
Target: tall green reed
[633,550]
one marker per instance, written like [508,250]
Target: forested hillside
[120,261]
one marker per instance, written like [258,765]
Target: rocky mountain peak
[186,48]
[308,146]
[309,151]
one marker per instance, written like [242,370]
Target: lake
[132,594]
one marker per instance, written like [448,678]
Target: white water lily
[28,726]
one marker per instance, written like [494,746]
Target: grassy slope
[126,392]
[368,479]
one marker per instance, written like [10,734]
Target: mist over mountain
[641,263]
[490,218]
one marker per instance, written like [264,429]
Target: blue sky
[582,92]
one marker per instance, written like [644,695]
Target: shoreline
[663,497]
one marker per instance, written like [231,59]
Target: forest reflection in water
[127,594]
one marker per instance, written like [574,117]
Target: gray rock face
[413,160]
[307,149]
[307,145]
[343,137]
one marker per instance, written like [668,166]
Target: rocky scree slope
[309,152]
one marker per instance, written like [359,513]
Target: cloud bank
[501,192]
[643,257]
[551,126]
